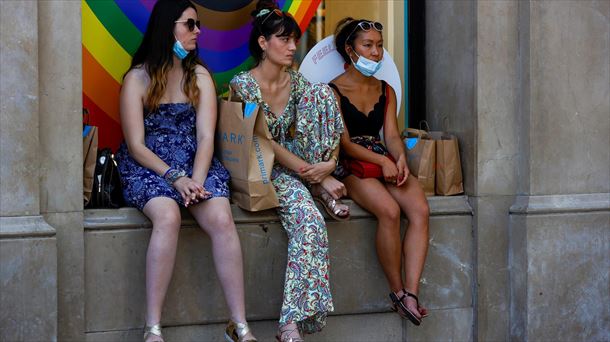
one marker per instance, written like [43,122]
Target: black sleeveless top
[358,123]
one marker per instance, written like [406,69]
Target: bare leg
[373,196]
[412,201]
[161,255]
[215,218]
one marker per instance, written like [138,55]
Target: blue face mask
[366,66]
[179,51]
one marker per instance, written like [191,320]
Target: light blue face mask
[366,66]
[179,50]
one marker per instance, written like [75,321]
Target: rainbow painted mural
[113,30]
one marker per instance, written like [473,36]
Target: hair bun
[263,7]
[342,23]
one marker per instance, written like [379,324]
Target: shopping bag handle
[422,123]
[418,132]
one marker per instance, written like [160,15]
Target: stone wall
[525,85]
[560,223]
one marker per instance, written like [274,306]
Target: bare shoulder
[392,92]
[341,81]
[202,73]
[137,77]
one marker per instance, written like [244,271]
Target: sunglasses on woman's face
[367,26]
[190,23]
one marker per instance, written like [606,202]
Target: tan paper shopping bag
[421,157]
[448,165]
[243,145]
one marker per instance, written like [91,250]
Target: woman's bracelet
[172,175]
[336,160]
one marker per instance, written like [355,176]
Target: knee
[222,224]
[423,211]
[420,214]
[168,220]
[389,212]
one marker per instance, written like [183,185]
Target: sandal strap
[236,331]
[397,300]
[242,329]
[288,331]
[409,294]
[153,330]
[333,204]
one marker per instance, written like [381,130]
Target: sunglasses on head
[367,26]
[190,23]
[277,12]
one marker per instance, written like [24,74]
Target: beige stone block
[447,279]
[70,274]
[568,258]
[19,188]
[492,241]
[570,97]
[115,265]
[61,165]
[379,327]
[443,325]
[497,97]
[28,289]
[357,282]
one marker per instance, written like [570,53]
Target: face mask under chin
[179,50]
[366,66]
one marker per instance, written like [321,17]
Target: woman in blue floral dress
[305,123]
[168,116]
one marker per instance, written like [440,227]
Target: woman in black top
[364,103]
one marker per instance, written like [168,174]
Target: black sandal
[400,308]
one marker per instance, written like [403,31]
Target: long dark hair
[346,32]
[268,24]
[156,56]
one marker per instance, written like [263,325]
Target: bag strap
[422,123]
[386,90]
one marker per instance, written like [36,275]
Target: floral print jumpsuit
[310,128]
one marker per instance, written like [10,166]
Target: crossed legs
[386,202]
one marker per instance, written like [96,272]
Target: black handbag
[107,191]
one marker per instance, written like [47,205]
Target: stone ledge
[115,263]
[555,204]
[129,218]
[25,227]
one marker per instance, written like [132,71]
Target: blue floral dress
[309,127]
[170,133]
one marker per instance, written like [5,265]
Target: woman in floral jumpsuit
[306,125]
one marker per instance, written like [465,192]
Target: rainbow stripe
[113,30]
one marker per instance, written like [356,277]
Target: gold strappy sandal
[235,332]
[331,205]
[153,330]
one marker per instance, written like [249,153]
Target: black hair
[346,32]
[268,24]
